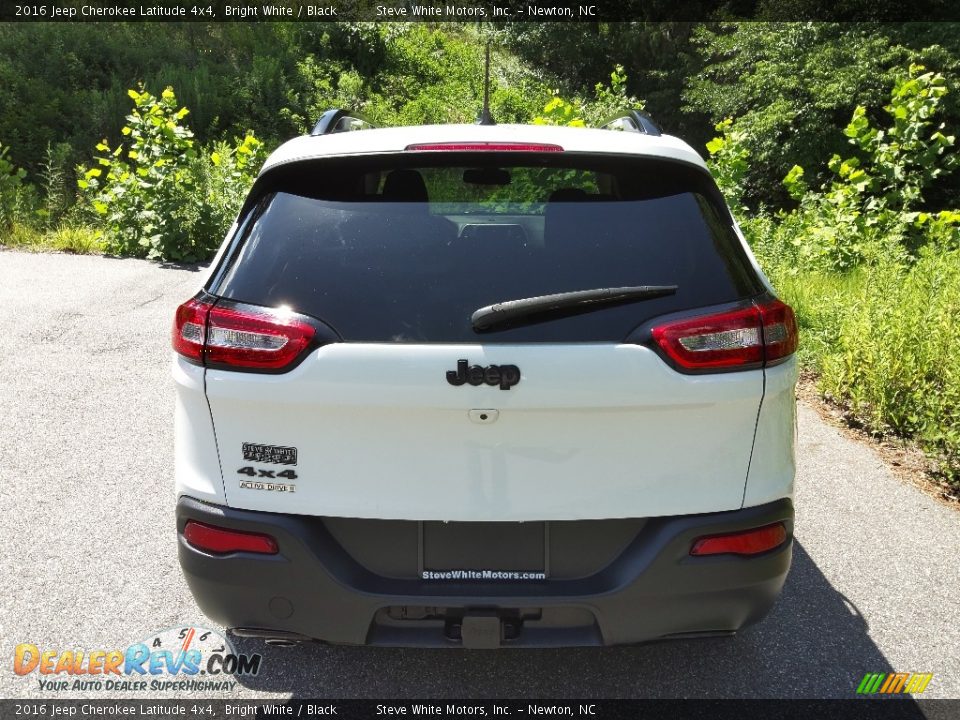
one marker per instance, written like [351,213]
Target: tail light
[220,541]
[750,337]
[190,329]
[747,542]
[779,331]
[239,336]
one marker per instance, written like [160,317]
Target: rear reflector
[739,339]
[747,542]
[484,147]
[212,539]
[239,336]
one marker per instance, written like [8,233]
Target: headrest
[567,195]
[404,185]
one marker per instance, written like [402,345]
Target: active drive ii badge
[272,487]
[270,454]
[506,376]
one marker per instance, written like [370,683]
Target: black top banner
[499,11]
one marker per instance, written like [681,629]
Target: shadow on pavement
[189,267]
[814,644]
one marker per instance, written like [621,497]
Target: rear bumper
[652,589]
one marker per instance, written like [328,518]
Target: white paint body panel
[591,431]
[773,465]
[196,464]
[571,139]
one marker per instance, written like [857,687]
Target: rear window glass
[407,252]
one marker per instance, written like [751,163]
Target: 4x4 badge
[506,376]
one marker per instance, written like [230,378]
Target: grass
[78,239]
[884,341]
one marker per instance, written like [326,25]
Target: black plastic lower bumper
[652,589]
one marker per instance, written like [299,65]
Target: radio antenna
[485,117]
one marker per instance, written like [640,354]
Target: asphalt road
[89,553]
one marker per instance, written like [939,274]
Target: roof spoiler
[632,121]
[338,120]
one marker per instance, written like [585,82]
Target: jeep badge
[506,376]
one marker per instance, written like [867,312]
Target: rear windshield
[391,251]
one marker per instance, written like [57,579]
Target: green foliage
[941,229]
[159,198]
[57,199]
[78,239]
[578,112]
[869,209]
[891,362]
[11,178]
[657,57]
[422,75]
[221,180]
[911,153]
[875,279]
[560,112]
[139,191]
[728,163]
[611,99]
[791,85]
[881,338]
[795,183]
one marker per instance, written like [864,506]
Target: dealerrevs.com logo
[894,683]
[177,659]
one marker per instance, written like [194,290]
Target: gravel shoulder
[89,553]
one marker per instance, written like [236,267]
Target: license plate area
[483,551]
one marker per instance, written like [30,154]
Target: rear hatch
[402,406]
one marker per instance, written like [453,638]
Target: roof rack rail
[338,120]
[632,121]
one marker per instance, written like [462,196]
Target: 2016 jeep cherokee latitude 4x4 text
[484,386]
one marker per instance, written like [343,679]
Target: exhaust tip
[274,638]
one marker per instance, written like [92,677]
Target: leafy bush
[11,178]
[161,199]
[138,193]
[871,208]
[728,163]
[790,85]
[580,112]
[221,179]
[875,196]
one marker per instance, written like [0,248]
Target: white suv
[484,386]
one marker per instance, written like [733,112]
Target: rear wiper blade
[546,307]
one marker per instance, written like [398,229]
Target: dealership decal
[276,454]
[178,659]
[482,575]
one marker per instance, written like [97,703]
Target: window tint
[407,253]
